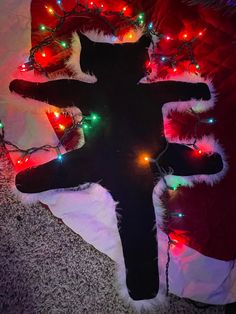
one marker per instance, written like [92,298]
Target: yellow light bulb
[62,127]
[56,114]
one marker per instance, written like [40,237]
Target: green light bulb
[94,117]
[42,27]
[85,126]
[1,125]
[141,16]
[63,43]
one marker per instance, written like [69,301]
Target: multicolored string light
[85,123]
[138,21]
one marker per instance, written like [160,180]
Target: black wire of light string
[46,147]
[50,39]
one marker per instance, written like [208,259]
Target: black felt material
[131,123]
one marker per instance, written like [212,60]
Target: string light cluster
[91,9]
[86,122]
[184,54]
[80,10]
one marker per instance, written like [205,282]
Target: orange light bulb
[62,127]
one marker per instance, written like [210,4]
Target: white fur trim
[100,37]
[74,62]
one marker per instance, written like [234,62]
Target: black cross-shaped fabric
[131,123]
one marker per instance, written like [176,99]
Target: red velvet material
[210,212]
[209,224]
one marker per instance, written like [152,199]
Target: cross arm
[60,93]
[169,91]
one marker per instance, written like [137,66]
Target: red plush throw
[160,142]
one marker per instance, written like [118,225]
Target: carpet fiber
[47,268]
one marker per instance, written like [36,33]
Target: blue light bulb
[150,26]
[211,120]
[59,157]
